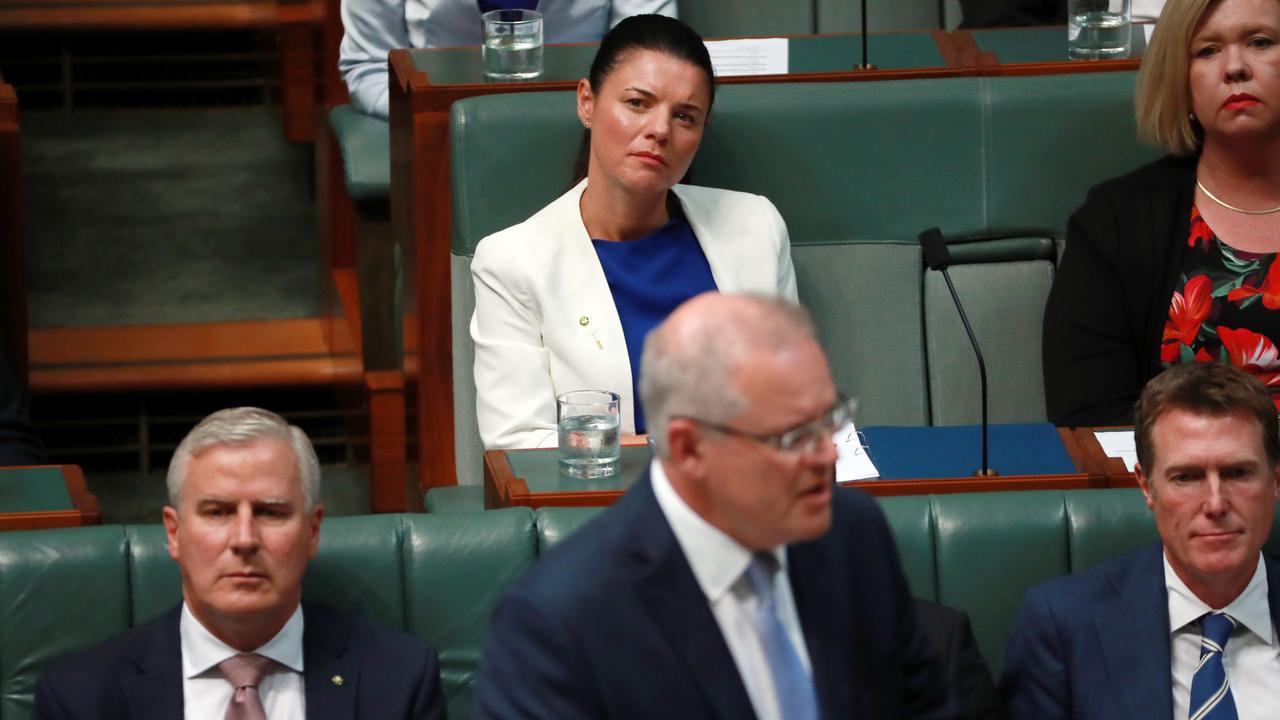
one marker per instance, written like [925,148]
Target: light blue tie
[797,699]
[1210,690]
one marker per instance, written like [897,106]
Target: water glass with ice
[1097,29]
[588,433]
[512,44]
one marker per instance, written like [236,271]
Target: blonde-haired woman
[1176,261]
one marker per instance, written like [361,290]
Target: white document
[852,461]
[749,56]
[1119,444]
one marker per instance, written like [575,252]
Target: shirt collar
[1251,607]
[717,560]
[202,651]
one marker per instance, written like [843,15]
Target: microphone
[937,257]
[864,65]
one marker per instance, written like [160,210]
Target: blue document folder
[904,453]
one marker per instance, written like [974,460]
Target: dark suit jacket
[1095,644]
[612,624]
[19,444]
[965,671]
[138,674]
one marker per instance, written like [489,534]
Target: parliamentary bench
[857,170]
[439,576]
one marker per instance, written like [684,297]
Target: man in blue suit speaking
[1184,629]
[243,522]
[734,580]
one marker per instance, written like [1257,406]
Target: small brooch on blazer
[585,321]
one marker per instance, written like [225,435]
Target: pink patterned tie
[245,673]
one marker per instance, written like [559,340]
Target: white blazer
[545,322]
[373,28]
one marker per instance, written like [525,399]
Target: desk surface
[805,54]
[45,496]
[531,478]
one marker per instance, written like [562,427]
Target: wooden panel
[233,354]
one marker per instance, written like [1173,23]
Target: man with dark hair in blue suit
[243,522]
[1184,629]
[734,580]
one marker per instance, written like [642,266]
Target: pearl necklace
[1233,208]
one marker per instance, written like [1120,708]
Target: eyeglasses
[801,439]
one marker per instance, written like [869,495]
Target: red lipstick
[657,159]
[1239,100]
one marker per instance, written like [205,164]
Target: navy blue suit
[138,674]
[612,624]
[1096,644]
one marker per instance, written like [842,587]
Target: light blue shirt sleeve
[373,28]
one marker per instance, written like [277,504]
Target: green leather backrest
[364,142]
[59,591]
[866,302]
[457,566]
[1004,302]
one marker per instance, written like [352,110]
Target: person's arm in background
[19,444]
[373,28]
[622,9]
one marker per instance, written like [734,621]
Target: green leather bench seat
[858,170]
[439,576]
[365,143]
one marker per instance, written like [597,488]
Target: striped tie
[1210,690]
[797,698]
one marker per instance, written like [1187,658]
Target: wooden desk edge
[85,509]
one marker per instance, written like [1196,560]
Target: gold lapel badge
[584,321]
[337,680]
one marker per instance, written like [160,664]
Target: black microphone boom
[864,65]
[938,257]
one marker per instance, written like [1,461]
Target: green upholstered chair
[732,18]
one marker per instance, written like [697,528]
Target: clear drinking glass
[1097,29]
[512,44]
[588,433]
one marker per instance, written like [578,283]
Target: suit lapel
[1273,586]
[330,678]
[156,691]
[814,600]
[1133,633]
[680,609]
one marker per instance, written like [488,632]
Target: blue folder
[904,453]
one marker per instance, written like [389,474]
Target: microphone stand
[864,65]
[937,257]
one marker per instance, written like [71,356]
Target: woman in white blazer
[563,299]
[373,28]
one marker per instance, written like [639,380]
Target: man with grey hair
[734,580]
[243,522]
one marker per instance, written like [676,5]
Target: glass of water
[1097,29]
[512,44]
[588,433]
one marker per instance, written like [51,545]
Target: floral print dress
[1226,307]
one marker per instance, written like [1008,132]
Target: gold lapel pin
[584,321]
[337,680]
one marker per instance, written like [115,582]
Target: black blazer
[966,672]
[1110,297]
[613,624]
[19,444]
[138,674]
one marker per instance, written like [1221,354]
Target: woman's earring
[587,124]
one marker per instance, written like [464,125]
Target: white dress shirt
[719,563]
[1251,657]
[206,693]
